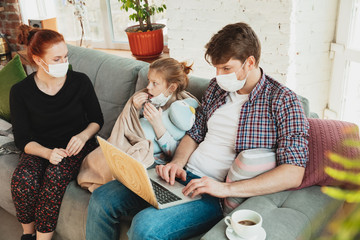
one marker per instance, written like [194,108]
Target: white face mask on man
[160,100]
[56,70]
[229,82]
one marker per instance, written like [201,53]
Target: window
[104,24]
[345,83]
[36,9]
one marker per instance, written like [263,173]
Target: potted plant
[145,39]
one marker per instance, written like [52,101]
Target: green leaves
[347,226]
[351,196]
[344,161]
[143,11]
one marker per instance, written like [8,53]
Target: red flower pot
[146,44]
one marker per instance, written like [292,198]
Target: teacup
[245,223]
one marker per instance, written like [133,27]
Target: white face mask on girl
[56,70]
[229,82]
[160,100]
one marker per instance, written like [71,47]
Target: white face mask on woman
[56,70]
[160,100]
[229,82]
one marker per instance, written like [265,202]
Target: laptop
[145,183]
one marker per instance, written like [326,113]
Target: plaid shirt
[272,118]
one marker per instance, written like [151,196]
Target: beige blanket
[128,135]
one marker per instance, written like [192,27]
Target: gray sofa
[287,215]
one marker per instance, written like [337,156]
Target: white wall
[295,37]
[315,23]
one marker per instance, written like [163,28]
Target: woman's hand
[206,185]
[76,143]
[57,155]
[139,99]
[154,117]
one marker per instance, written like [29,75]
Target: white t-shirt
[214,156]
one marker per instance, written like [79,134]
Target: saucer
[231,235]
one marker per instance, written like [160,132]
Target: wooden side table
[5,59]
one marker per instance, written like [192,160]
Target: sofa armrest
[300,214]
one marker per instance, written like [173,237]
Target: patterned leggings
[37,187]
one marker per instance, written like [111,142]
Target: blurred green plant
[348,227]
[142,13]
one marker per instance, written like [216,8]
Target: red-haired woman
[55,114]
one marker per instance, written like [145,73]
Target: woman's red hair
[37,40]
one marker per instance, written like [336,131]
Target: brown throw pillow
[324,136]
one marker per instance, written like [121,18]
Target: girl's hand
[57,155]
[75,144]
[139,99]
[154,117]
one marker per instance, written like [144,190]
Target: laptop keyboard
[163,195]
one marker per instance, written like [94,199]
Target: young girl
[55,114]
[167,82]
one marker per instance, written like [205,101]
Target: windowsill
[125,53]
[128,54]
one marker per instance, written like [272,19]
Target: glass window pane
[69,24]
[120,19]
[37,9]
[352,94]
[355,26]
[95,19]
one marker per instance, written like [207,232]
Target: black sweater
[52,120]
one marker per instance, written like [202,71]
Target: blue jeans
[112,201]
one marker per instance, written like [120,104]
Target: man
[242,109]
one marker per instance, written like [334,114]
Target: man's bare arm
[281,178]
[278,179]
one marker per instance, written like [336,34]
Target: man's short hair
[237,41]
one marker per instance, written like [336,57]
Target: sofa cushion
[324,136]
[73,212]
[12,73]
[8,164]
[300,214]
[142,81]
[103,69]
[197,86]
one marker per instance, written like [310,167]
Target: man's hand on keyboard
[206,185]
[171,171]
